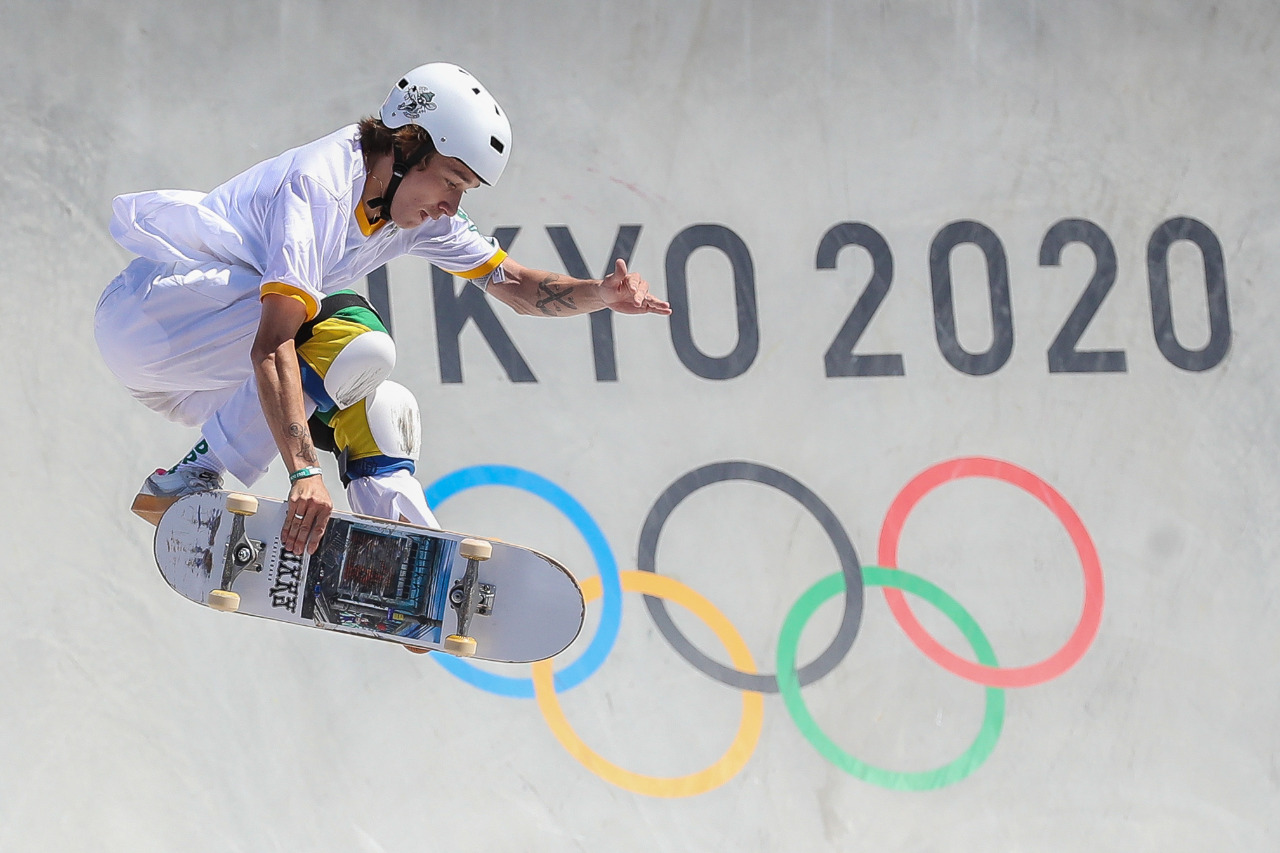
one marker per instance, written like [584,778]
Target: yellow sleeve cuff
[485,268]
[308,301]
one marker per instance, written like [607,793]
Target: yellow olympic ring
[717,774]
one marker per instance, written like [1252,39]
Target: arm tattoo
[554,300]
[305,449]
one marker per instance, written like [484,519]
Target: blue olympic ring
[611,610]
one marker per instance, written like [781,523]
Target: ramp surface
[939,516]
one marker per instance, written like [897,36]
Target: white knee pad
[394,420]
[380,440]
[386,425]
[358,368]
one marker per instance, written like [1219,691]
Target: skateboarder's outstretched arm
[546,294]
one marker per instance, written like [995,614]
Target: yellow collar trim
[362,219]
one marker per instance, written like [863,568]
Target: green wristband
[303,473]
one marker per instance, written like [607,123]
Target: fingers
[305,528]
[653,305]
[629,292]
[630,287]
[308,515]
[635,289]
[627,286]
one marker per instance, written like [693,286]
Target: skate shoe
[163,488]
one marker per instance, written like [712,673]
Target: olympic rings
[849,565]
[610,616]
[744,743]
[543,685]
[994,676]
[958,769]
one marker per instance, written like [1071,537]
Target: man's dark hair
[377,139]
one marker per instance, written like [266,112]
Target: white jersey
[295,221]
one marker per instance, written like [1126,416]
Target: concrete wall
[929,187]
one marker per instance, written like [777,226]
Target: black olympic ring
[850,566]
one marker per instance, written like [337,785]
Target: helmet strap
[400,168]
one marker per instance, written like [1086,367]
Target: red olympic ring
[995,676]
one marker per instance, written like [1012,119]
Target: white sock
[202,457]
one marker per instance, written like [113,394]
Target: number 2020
[1064,356]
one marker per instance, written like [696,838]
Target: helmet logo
[416,99]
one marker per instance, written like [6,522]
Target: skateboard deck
[422,588]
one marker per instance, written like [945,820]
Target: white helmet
[462,117]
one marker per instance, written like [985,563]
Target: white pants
[183,351]
[396,496]
[186,355]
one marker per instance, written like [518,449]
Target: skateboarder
[235,314]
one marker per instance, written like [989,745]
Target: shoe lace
[206,480]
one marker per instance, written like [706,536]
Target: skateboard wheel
[463,647]
[224,600]
[475,549]
[415,649]
[242,504]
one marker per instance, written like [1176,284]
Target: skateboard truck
[483,602]
[243,554]
[468,597]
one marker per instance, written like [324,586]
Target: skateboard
[422,588]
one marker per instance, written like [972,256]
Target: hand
[628,293]
[309,509]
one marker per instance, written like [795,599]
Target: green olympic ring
[789,685]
